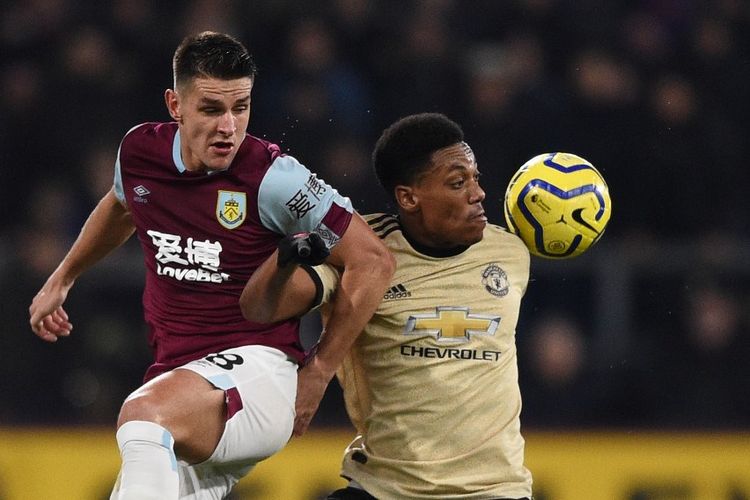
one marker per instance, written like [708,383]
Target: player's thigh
[187,405]
[260,385]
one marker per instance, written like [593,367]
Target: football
[559,205]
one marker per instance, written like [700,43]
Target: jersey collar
[433,251]
[177,156]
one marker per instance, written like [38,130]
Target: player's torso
[445,331]
[202,237]
[434,375]
[194,228]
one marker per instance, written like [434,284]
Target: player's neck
[422,244]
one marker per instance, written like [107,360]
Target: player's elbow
[389,263]
[381,262]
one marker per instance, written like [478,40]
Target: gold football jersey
[431,384]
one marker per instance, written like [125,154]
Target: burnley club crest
[231,209]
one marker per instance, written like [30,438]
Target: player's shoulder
[382,224]
[147,143]
[257,147]
[151,130]
[149,136]
[495,234]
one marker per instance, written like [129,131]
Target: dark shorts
[350,494]
[357,494]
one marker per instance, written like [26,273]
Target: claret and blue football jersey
[201,249]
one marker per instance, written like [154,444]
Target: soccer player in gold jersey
[431,384]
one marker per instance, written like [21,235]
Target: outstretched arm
[108,227]
[367,269]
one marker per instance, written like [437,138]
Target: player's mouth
[221,148]
[478,217]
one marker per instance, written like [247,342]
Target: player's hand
[312,381]
[302,248]
[48,319]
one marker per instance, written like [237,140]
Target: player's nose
[477,194]
[227,124]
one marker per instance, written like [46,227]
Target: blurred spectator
[347,160]
[319,95]
[509,110]
[418,69]
[703,374]
[557,390]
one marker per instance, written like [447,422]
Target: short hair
[403,151]
[213,55]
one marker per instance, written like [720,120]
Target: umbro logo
[140,194]
[397,292]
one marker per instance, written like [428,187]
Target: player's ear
[406,198]
[172,101]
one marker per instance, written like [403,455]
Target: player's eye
[241,108]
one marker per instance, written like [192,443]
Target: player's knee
[142,408]
[147,408]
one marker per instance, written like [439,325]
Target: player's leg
[260,385]
[178,414]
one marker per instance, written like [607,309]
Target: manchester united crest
[495,280]
[231,209]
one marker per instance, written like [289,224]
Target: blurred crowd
[653,92]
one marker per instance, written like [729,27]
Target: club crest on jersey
[495,280]
[231,208]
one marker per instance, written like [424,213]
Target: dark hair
[404,149]
[211,54]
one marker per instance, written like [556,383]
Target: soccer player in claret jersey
[431,385]
[210,203]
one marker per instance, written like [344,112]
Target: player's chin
[474,233]
[477,224]
[219,162]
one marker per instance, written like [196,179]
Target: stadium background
[633,358]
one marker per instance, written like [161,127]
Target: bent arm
[109,225]
[276,293]
[367,270]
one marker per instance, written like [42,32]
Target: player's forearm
[358,296]
[109,225]
[272,294]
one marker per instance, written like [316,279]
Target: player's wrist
[324,369]
[302,248]
[61,280]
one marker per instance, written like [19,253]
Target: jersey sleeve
[119,192]
[291,199]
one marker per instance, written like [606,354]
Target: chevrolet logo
[451,324]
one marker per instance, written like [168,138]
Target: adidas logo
[397,292]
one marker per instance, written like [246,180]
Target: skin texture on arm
[276,293]
[109,225]
[367,270]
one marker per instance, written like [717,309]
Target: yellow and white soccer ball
[559,205]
